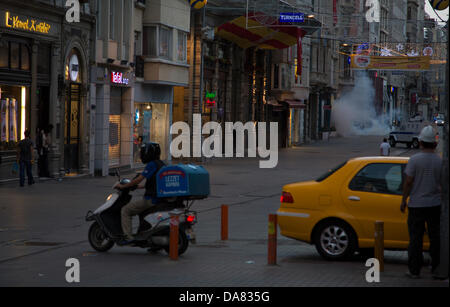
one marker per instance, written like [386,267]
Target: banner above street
[365,62]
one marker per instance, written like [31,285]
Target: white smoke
[354,113]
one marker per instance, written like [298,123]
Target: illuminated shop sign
[117,78]
[26,24]
[210,99]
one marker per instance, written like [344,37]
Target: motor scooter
[154,224]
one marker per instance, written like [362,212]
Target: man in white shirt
[385,148]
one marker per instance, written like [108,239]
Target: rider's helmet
[150,152]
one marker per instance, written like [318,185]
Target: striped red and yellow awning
[263,32]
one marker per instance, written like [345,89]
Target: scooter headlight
[109,197]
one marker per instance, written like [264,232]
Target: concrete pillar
[126,127]
[101,164]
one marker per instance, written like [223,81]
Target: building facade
[44,80]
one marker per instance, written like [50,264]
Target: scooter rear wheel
[183,243]
[98,239]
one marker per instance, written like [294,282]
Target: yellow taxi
[337,211]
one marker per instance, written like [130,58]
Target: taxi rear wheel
[335,240]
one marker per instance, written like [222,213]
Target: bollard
[272,242]
[224,225]
[379,243]
[173,247]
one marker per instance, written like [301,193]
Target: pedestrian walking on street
[423,185]
[25,158]
[385,148]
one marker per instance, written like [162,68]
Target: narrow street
[43,225]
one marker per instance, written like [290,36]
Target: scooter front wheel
[98,239]
[183,243]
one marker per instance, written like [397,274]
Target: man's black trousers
[417,219]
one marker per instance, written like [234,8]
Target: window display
[151,124]
[12,115]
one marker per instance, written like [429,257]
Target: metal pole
[379,243]
[224,223]
[200,100]
[443,269]
[272,240]
[173,237]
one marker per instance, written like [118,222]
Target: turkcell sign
[292,17]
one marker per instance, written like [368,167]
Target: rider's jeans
[133,208]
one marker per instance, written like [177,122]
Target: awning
[296,104]
[267,34]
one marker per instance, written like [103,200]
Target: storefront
[25,80]
[152,118]
[120,119]
[72,112]
[296,122]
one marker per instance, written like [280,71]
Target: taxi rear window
[330,172]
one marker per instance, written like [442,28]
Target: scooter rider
[150,155]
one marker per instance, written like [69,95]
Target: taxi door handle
[354,198]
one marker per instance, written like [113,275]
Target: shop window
[12,115]
[151,124]
[14,55]
[114,140]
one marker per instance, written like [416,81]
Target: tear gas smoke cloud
[354,112]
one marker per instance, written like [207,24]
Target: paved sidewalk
[42,226]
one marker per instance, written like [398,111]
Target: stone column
[92,112]
[55,112]
[102,129]
[33,95]
[84,127]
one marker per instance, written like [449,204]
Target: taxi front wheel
[335,240]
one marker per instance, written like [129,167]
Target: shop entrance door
[72,128]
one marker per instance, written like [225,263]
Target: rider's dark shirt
[148,172]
